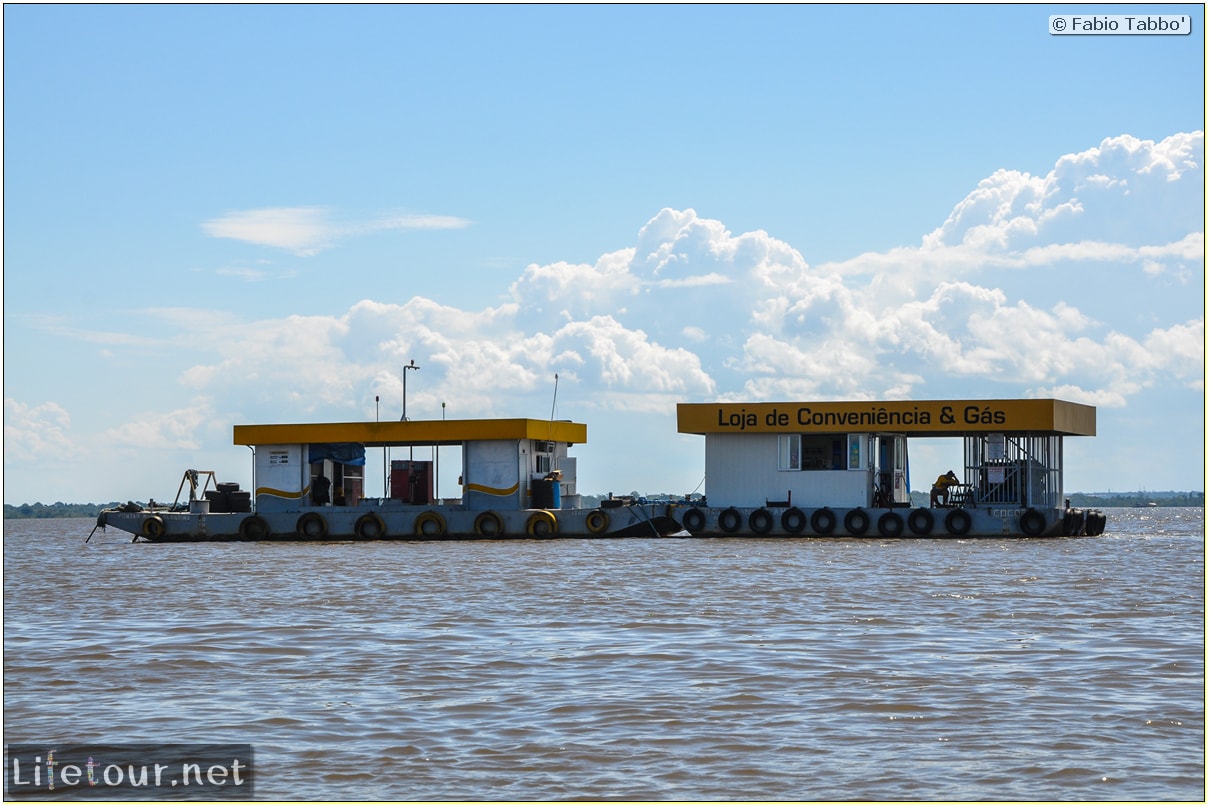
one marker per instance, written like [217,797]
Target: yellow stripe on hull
[481,488]
[280,493]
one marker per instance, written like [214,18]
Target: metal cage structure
[1014,470]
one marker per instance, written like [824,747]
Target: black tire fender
[890,525]
[958,522]
[856,522]
[429,524]
[311,526]
[793,520]
[822,521]
[254,527]
[730,520]
[921,521]
[370,526]
[760,521]
[1032,523]
[153,527]
[542,524]
[597,521]
[1072,522]
[489,524]
[694,520]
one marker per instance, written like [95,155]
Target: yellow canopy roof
[412,432]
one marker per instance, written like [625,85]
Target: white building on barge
[842,468]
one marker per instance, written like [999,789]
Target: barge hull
[362,523]
[896,522]
[446,523]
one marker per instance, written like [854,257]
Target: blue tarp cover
[347,453]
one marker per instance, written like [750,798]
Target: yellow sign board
[912,417]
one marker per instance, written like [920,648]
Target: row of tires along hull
[697,521]
[429,524]
[921,522]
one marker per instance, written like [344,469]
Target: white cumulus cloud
[35,430]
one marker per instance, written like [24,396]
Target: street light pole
[406,367]
[436,461]
[411,449]
[385,476]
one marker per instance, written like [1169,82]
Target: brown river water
[673,669]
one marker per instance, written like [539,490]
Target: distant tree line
[1138,499]
[55,510]
[1099,500]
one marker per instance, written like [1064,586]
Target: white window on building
[855,448]
[789,452]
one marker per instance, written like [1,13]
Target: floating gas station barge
[809,469]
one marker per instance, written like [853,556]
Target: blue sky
[243,214]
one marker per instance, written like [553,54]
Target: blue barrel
[547,494]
